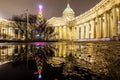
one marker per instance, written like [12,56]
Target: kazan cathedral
[102,22]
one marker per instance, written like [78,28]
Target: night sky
[52,8]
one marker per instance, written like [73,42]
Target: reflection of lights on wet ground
[39,76]
[39,43]
[39,63]
[1,63]
[37,47]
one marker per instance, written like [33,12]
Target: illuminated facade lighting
[117,9]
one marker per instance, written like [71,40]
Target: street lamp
[27,16]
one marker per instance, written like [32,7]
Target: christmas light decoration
[40,17]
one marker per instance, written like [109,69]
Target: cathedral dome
[68,12]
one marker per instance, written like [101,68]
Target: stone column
[98,25]
[81,36]
[118,13]
[70,30]
[9,33]
[92,29]
[109,26]
[5,32]
[119,22]
[64,32]
[73,33]
[87,30]
[115,23]
[82,32]
[105,26]
[59,33]
[77,32]
[68,34]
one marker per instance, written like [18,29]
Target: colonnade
[100,22]
[63,33]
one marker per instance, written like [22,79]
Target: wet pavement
[60,61]
[18,71]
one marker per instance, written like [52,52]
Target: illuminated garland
[40,17]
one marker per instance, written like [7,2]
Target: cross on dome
[68,5]
[68,1]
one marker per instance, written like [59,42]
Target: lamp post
[27,16]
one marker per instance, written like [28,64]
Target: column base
[115,38]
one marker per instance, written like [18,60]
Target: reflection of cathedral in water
[72,58]
[90,56]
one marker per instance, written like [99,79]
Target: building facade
[11,30]
[102,22]
[6,30]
